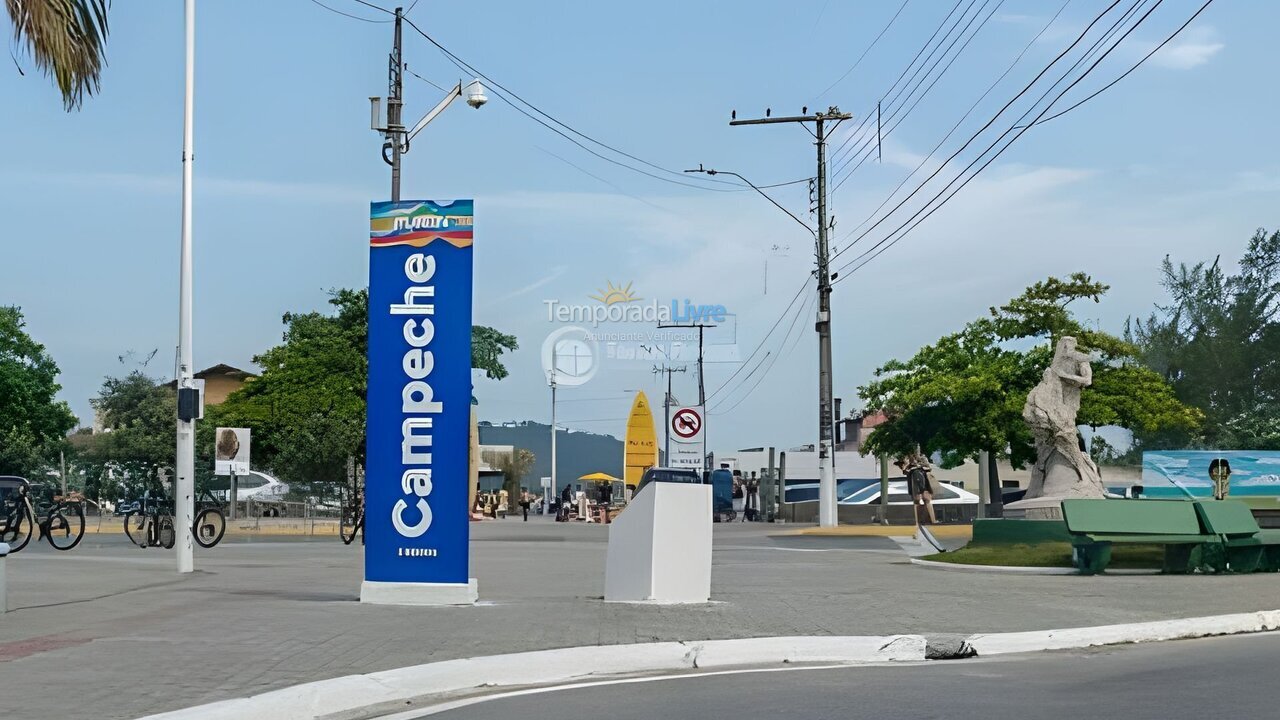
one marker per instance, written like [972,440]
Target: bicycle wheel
[350,524]
[209,527]
[166,535]
[65,526]
[18,528]
[135,526]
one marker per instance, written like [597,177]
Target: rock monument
[1062,468]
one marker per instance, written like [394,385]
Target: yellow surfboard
[640,450]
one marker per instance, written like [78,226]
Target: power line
[346,14]
[406,69]
[374,7]
[984,128]
[867,115]
[771,358]
[994,143]
[1136,65]
[864,52]
[897,112]
[894,115]
[763,340]
[1023,130]
[964,117]
[466,67]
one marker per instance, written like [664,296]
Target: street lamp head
[475,94]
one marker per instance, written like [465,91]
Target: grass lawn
[1149,557]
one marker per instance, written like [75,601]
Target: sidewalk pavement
[109,630]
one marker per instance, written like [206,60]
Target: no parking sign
[686,430]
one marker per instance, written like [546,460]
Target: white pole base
[406,593]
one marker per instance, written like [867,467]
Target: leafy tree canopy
[137,415]
[307,409]
[1217,343]
[965,393]
[33,424]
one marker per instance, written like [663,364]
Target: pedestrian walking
[751,502]
[524,503]
[916,469]
[1220,474]
[566,499]
[606,499]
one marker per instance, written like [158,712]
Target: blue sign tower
[419,404]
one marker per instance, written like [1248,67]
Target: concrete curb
[419,686]
[395,689]
[1021,570]
[1075,638]
[1007,569]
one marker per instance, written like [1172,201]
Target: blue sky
[1177,159]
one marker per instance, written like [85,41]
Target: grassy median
[1134,557]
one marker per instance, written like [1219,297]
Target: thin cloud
[164,184]
[555,273]
[1195,48]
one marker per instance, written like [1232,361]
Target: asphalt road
[1213,678]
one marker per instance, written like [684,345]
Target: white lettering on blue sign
[416,397]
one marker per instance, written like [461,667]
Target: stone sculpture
[1062,469]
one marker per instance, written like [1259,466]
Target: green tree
[66,39]
[307,409]
[137,415]
[1218,344]
[965,393]
[513,468]
[33,423]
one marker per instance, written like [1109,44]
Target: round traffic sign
[686,423]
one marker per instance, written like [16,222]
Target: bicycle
[352,515]
[60,520]
[150,522]
[210,523]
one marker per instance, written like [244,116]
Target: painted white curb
[1072,638]
[546,667]
[551,667]
[1007,569]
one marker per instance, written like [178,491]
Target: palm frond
[66,39]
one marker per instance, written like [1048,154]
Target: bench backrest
[1227,517]
[1131,517]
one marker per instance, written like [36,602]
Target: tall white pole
[554,371]
[184,483]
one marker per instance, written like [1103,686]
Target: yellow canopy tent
[600,478]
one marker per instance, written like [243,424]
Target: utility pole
[666,409]
[188,395]
[395,102]
[702,386]
[826,419]
[555,369]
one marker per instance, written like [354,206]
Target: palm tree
[66,39]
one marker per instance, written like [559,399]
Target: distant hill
[578,453]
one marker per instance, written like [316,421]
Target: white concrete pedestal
[401,593]
[660,547]
[1041,508]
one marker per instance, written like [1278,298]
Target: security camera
[475,94]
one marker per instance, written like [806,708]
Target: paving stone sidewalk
[111,631]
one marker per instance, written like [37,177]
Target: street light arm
[452,95]
[766,195]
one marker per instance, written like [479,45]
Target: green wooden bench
[1244,547]
[1095,525]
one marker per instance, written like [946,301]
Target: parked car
[668,475]
[947,495]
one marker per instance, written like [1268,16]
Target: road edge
[402,687]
